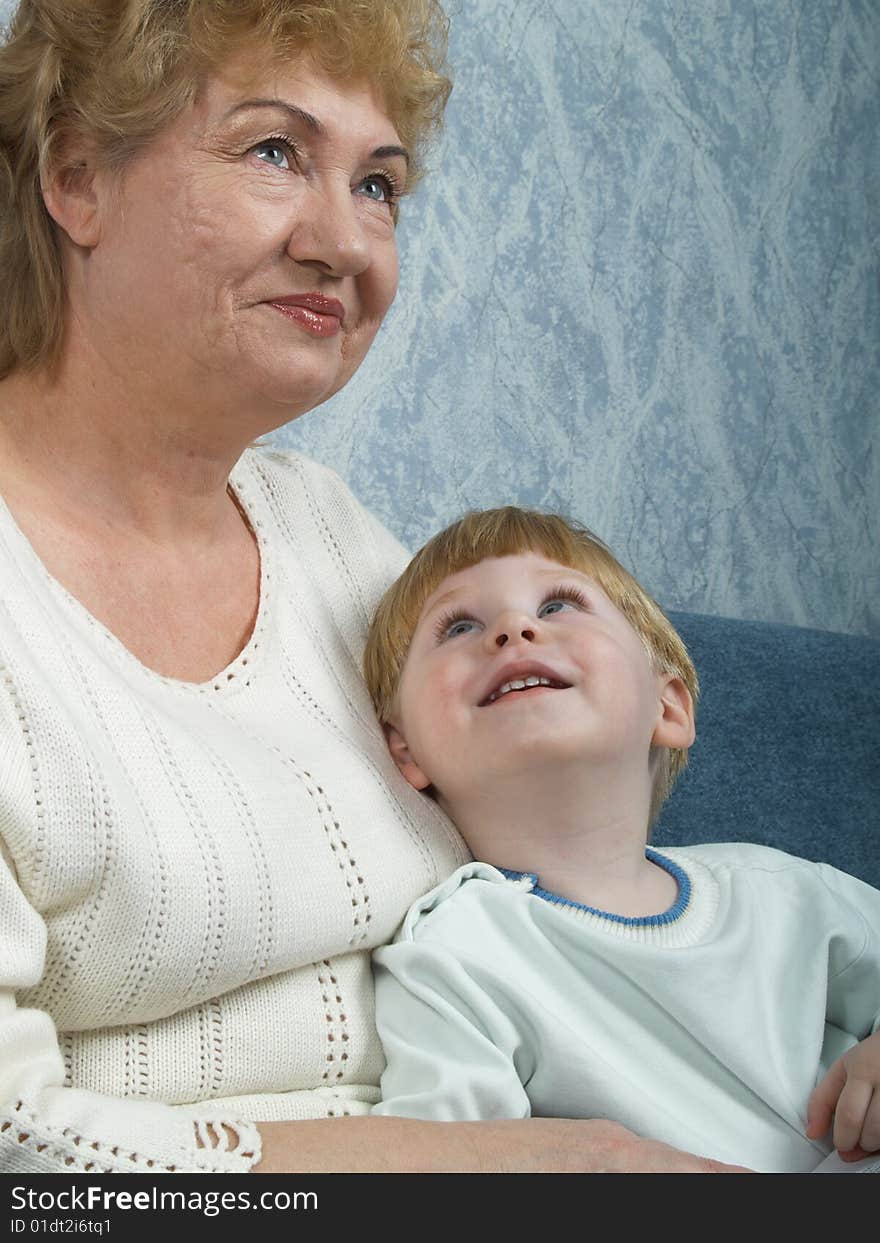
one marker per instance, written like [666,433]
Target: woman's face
[249,255]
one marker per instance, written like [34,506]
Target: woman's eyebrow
[280,105]
[385,152]
[388,153]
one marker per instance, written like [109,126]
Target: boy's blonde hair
[507,532]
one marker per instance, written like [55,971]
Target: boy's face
[519,661]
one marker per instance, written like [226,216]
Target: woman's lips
[320,316]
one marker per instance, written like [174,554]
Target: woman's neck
[135,520]
[102,458]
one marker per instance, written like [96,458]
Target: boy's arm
[850,1090]
[851,1093]
[854,954]
[451,1051]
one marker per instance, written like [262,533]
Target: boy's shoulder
[751,864]
[458,897]
[478,892]
[736,855]
[468,908]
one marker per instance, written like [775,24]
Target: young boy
[527,682]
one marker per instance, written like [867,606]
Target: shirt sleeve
[45,1126]
[854,959]
[452,1052]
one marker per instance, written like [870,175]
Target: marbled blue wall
[641,285]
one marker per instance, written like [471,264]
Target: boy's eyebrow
[551,572]
[431,604]
[555,570]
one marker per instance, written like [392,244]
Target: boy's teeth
[518,684]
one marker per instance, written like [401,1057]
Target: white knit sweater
[193,876]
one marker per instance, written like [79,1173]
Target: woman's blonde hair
[507,532]
[114,72]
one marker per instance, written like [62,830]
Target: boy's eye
[459,628]
[562,598]
[453,626]
[554,606]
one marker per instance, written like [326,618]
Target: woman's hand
[851,1093]
[534,1146]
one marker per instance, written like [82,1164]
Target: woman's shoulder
[304,501]
[305,512]
[289,468]
[298,490]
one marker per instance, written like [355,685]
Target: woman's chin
[291,368]
[280,394]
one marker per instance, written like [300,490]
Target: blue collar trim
[644,921]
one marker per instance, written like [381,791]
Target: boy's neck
[583,834]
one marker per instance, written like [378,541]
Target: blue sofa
[788,743]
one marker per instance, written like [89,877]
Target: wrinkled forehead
[284,73]
[298,82]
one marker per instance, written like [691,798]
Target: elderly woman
[202,834]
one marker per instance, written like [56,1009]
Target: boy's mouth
[523,680]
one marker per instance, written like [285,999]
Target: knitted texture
[194,875]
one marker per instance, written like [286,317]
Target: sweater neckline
[669,916]
[239,670]
[687,922]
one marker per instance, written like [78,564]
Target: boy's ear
[72,191]
[675,727]
[402,757]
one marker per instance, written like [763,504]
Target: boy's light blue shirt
[707,1032]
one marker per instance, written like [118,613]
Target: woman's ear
[675,727]
[72,190]
[402,757]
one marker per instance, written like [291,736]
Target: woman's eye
[379,189]
[274,153]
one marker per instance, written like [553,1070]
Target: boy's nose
[503,637]
[510,629]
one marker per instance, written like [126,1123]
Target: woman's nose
[511,628]
[328,234]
